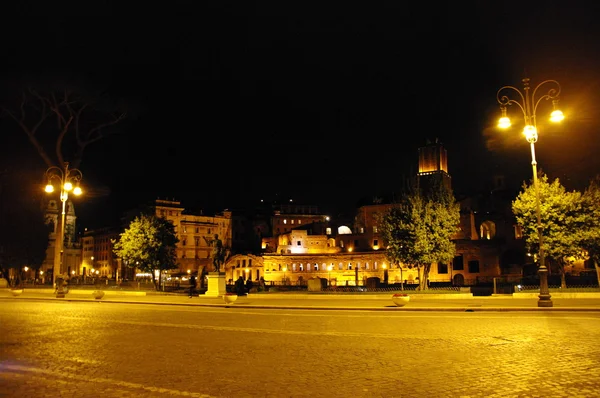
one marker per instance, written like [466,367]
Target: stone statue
[218,252]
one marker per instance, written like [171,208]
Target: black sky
[237,101]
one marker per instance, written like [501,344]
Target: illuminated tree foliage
[562,217]
[591,232]
[148,244]
[418,230]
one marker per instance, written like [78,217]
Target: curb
[321,308]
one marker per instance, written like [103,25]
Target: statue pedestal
[216,284]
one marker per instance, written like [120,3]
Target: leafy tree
[418,230]
[562,217]
[148,244]
[591,232]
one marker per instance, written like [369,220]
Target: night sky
[233,102]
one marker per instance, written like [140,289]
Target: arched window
[487,230]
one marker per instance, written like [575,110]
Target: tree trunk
[597,271]
[563,280]
[423,275]
[156,285]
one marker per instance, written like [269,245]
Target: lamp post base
[545,301]
[544,295]
[60,288]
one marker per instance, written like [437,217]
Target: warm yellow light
[530,133]
[49,188]
[72,272]
[77,190]
[189,272]
[26,268]
[504,122]
[247,270]
[41,272]
[68,186]
[384,266]
[350,249]
[329,268]
[556,116]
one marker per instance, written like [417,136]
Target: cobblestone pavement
[62,348]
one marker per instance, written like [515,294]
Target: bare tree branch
[78,123]
[31,131]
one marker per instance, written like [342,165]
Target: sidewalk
[372,302]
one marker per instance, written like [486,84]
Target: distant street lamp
[528,104]
[68,180]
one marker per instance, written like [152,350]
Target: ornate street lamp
[528,104]
[68,181]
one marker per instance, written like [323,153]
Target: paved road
[108,349]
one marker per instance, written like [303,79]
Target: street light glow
[528,104]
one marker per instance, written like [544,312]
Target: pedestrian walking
[239,287]
[192,285]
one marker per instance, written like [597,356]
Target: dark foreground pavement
[317,301]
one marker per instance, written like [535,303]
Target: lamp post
[284,269]
[528,104]
[329,268]
[65,178]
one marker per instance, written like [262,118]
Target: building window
[375,229]
[340,266]
[518,232]
[375,242]
[487,230]
[299,243]
[349,266]
[474,266]
[316,267]
[442,268]
[458,263]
